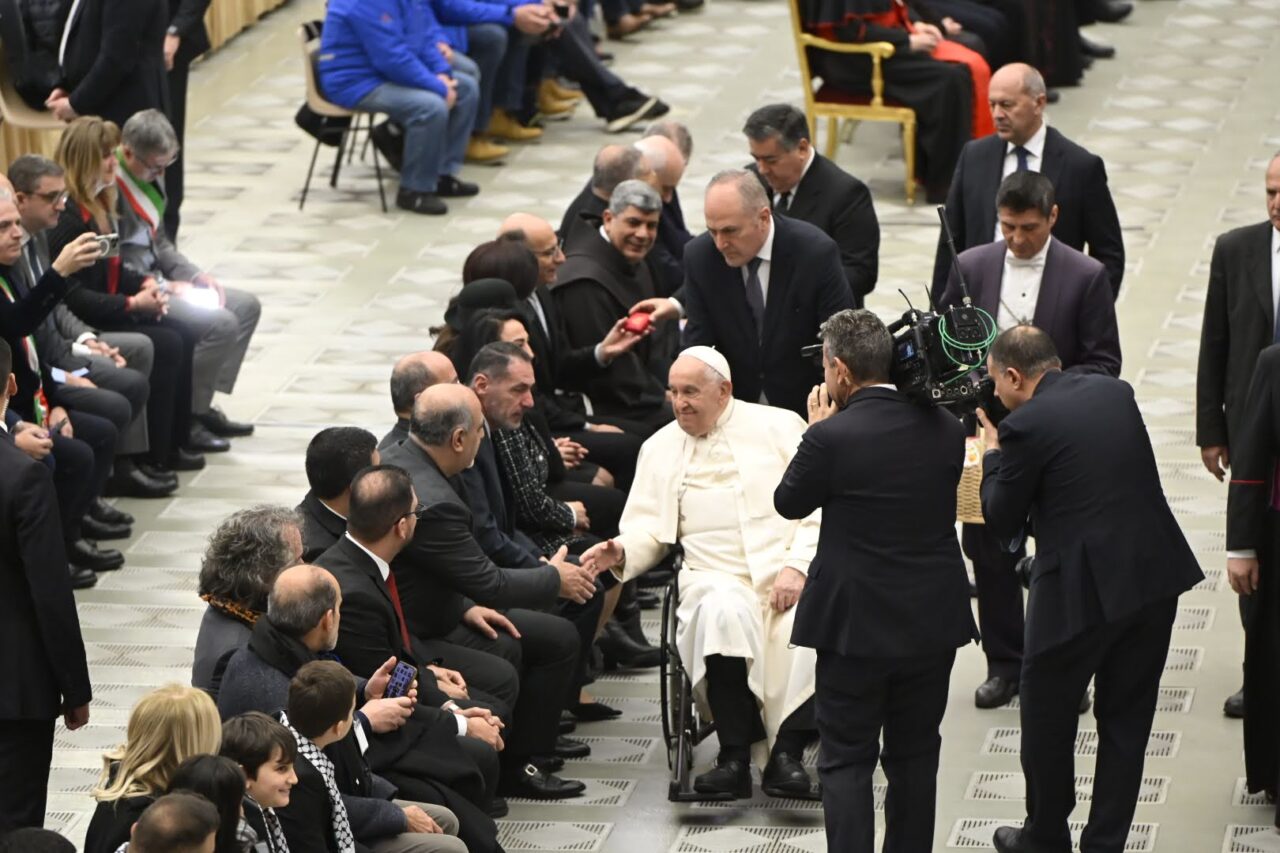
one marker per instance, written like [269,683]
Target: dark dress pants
[616,452]
[1125,660]
[859,701]
[173,175]
[26,751]
[604,504]
[990,25]
[169,407]
[736,712]
[78,477]
[1000,619]
[546,658]
[492,681]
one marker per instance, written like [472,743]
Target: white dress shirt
[1035,160]
[813,154]
[1020,288]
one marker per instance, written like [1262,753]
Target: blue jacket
[456,15]
[370,42]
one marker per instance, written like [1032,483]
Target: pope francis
[706,481]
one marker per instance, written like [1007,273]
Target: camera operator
[886,603]
[1029,277]
[1110,562]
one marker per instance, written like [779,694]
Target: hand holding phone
[402,678]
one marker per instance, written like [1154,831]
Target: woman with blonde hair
[166,727]
[111,297]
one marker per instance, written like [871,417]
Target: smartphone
[108,245]
[57,428]
[562,10]
[402,678]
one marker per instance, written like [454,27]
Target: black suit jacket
[806,286]
[840,206]
[1086,211]
[444,571]
[1107,544]
[1075,305]
[1250,525]
[395,435]
[888,579]
[491,500]
[320,528]
[1239,321]
[557,364]
[42,657]
[114,63]
[187,17]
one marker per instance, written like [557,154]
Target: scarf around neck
[311,753]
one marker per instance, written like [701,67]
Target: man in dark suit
[1253,534]
[886,604]
[1029,277]
[413,374]
[334,456]
[1074,458]
[613,165]
[448,587]
[1023,142]
[804,185]
[185,39]
[1239,321]
[757,287]
[42,656]
[112,60]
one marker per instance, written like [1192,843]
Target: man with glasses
[224,317]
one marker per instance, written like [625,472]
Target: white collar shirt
[1020,288]
[791,197]
[384,568]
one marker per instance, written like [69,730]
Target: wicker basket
[968,493]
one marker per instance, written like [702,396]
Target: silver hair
[635,194]
[148,133]
[246,552]
[750,190]
[436,426]
[676,132]
[860,340]
[1033,83]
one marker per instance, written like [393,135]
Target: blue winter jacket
[370,42]
[456,15]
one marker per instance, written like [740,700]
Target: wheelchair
[682,727]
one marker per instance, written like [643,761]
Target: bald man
[413,374]
[1022,141]
[613,165]
[667,257]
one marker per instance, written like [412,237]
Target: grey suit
[219,634]
[224,332]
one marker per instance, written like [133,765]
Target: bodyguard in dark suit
[886,603]
[185,39]
[113,62]
[757,287]
[1031,278]
[334,455]
[804,185]
[42,659]
[1074,458]
[1023,142]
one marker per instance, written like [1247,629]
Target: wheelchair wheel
[670,676]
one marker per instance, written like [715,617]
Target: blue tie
[1275,332]
[755,294]
[1021,153]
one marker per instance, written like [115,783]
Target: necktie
[33,261]
[784,202]
[1021,153]
[755,294]
[395,602]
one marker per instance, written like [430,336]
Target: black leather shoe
[82,578]
[101,530]
[1010,839]
[785,776]
[995,692]
[1052,96]
[548,763]
[535,784]
[200,440]
[136,484]
[429,204]
[620,650]
[1113,11]
[593,712]
[567,747]
[567,726]
[498,807]
[447,186]
[105,512]
[184,460]
[1234,706]
[727,777]
[216,421]
[159,473]
[1096,49]
[85,554]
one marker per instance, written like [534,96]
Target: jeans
[435,137]
[496,57]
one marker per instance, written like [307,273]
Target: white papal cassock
[714,495]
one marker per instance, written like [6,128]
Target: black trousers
[491,680]
[26,748]
[80,476]
[614,451]
[1125,660]
[604,504]
[173,175]
[169,407]
[988,24]
[546,658]
[737,716]
[860,701]
[575,58]
[1000,619]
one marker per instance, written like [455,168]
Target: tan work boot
[481,150]
[549,106]
[503,126]
[560,93]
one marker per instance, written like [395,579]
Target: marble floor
[1186,117]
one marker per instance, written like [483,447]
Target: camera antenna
[955,258]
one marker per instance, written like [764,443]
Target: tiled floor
[1186,117]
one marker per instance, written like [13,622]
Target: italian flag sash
[40,403]
[143,197]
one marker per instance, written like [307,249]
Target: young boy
[265,751]
[321,704]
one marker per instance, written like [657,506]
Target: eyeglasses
[551,252]
[55,198]
[417,512]
[158,165]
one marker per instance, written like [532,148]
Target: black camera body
[940,359]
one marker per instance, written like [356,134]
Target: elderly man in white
[706,481]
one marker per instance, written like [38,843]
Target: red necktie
[395,602]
